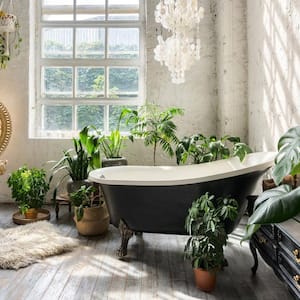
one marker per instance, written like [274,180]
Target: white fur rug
[26,244]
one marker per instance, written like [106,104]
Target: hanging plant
[10,39]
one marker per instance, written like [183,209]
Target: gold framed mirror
[5,127]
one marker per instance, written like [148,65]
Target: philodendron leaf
[277,209]
[288,158]
[274,193]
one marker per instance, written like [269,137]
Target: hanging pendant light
[181,18]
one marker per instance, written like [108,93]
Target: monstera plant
[282,202]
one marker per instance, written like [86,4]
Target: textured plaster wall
[232,67]
[274,70]
[198,97]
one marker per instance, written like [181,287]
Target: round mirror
[5,127]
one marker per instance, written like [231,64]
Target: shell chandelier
[181,49]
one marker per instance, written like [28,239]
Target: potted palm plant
[91,217]
[205,223]
[29,188]
[280,203]
[155,127]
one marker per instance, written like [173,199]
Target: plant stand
[62,200]
[43,214]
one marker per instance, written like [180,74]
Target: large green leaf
[279,208]
[274,193]
[250,230]
[288,158]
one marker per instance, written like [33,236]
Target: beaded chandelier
[181,49]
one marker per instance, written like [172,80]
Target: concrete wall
[274,70]
[231,36]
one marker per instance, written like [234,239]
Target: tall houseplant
[205,223]
[74,166]
[155,127]
[29,188]
[282,202]
[200,149]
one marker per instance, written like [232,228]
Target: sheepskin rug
[24,245]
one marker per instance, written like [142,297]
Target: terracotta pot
[205,280]
[95,220]
[31,213]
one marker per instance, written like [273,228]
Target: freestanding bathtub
[156,199]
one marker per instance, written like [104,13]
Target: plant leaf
[277,209]
[274,193]
[250,230]
[288,157]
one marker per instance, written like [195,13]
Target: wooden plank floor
[154,269]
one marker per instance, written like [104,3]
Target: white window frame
[37,62]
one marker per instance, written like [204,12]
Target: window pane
[114,114]
[57,82]
[90,43]
[90,115]
[123,82]
[57,43]
[57,10]
[90,10]
[123,10]
[90,82]
[57,117]
[123,43]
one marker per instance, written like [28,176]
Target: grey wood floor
[154,269]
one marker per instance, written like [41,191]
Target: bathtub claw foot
[126,234]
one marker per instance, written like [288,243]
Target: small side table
[62,199]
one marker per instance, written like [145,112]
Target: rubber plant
[201,149]
[156,127]
[282,202]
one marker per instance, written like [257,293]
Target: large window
[89,64]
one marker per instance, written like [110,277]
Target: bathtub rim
[268,162]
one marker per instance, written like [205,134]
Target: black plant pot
[113,162]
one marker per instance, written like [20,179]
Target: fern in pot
[29,188]
[205,223]
[91,217]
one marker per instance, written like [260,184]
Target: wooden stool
[62,199]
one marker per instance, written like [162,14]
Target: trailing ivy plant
[156,127]
[201,149]
[282,202]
